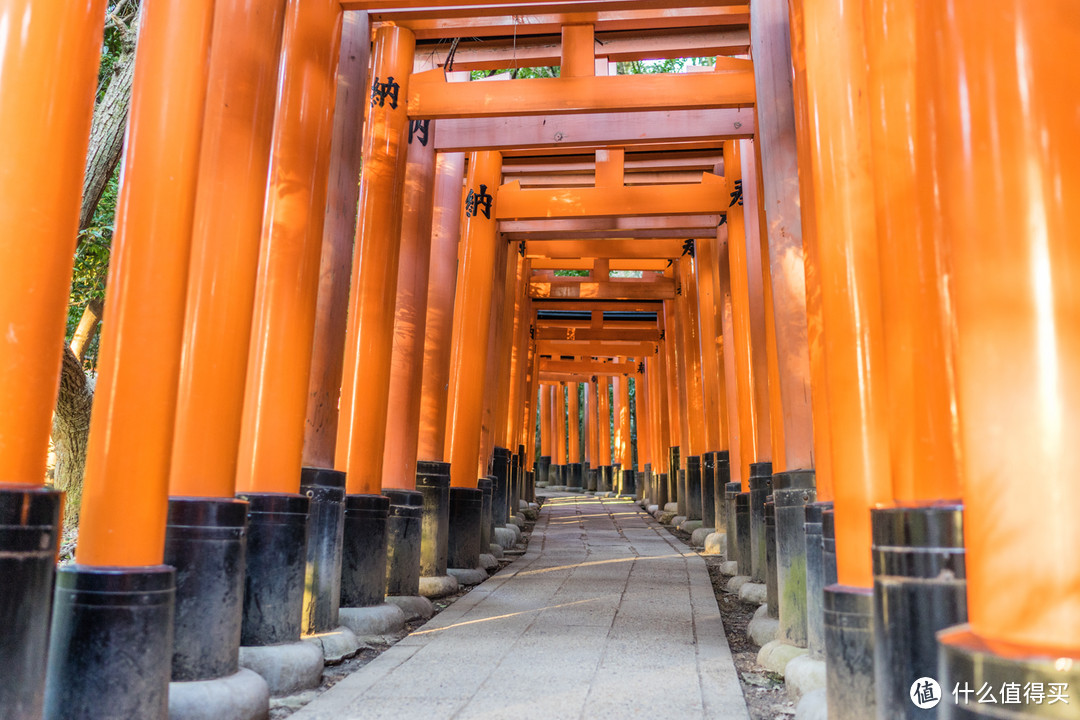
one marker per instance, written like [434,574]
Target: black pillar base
[592,480]
[575,480]
[363,559]
[515,480]
[554,475]
[708,490]
[828,544]
[110,654]
[627,483]
[403,541]
[543,468]
[967,662]
[644,484]
[673,476]
[487,523]
[815,579]
[720,499]
[606,478]
[466,518]
[732,490]
[206,541]
[920,587]
[743,549]
[693,487]
[772,598]
[325,489]
[760,487]
[660,486]
[500,486]
[681,499]
[791,492]
[29,538]
[433,482]
[849,652]
[274,568]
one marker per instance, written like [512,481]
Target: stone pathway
[606,616]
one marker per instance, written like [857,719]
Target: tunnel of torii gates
[848,344]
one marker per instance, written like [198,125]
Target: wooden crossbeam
[614,249]
[617,289]
[708,196]
[592,130]
[603,334]
[587,367]
[585,165]
[522,25]
[560,181]
[586,264]
[595,348]
[431,96]
[384,10]
[599,305]
[685,226]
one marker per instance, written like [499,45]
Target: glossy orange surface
[695,405]
[279,362]
[560,424]
[125,486]
[49,54]
[603,411]
[573,408]
[997,112]
[545,420]
[233,165]
[706,264]
[727,357]
[471,326]
[850,285]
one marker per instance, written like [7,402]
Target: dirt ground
[764,690]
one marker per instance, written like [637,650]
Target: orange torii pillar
[606,475]
[912,600]
[279,365]
[670,370]
[318,478]
[725,309]
[573,424]
[495,457]
[552,429]
[822,429]
[1006,163]
[658,445]
[125,492]
[519,365]
[624,466]
[592,436]
[562,465]
[748,343]
[687,307]
[469,361]
[642,434]
[543,465]
[840,171]
[715,463]
[47,124]
[365,388]
[677,368]
[206,534]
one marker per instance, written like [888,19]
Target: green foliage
[91,266]
[571,273]
[633,67]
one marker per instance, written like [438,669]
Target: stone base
[505,537]
[652,509]
[488,562]
[754,593]
[437,586]
[762,629]
[468,576]
[776,654]
[518,520]
[336,645]
[715,544]
[729,568]
[803,676]
[286,668]
[666,517]
[541,484]
[672,507]
[241,696]
[737,582]
[813,706]
[496,551]
[697,538]
[690,526]
[374,621]
[531,514]
[678,520]
[415,607]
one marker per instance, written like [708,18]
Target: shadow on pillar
[433,482]
[708,490]
[849,652]
[792,491]
[29,542]
[760,489]
[543,470]
[693,487]
[465,535]
[816,578]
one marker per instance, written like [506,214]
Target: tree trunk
[88,327]
[71,427]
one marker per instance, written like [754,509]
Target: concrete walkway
[606,616]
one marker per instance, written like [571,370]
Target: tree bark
[88,327]
[71,428]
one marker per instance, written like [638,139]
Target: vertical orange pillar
[279,365]
[560,424]
[131,428]
[573,422]
[369,336]
[234,160]
[677,370]
[545,420]
[621,395]
[687,305]
[727,358]
[339,232]
[552,428]
[592,434]
[1000,136]
[518,354]
[706,265]
[642,424]
[49,55]
[439,325]
[603,427]
[410,312]
[471,331]
[782,255]
[48,69]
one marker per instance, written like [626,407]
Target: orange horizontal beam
[650,178]
[602,334]
[430,96]
[598,305]
[707,197]
[538,51]
[618,289]
[595,348]
[585,164]
[587,263]
[676,226]
[551,23]
[615,249]
[541,130]
[587,367]
[422,9]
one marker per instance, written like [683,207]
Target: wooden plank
[646,249]
[682,227]
[398,10]
[599,305]
[595,348]
[586,264]
[707,197]
[587,367]
[616,289]
[603,334]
